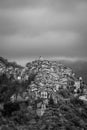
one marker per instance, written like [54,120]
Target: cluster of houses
[50,78]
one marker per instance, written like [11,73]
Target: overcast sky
[47,28]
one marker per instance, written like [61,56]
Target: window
[43,94]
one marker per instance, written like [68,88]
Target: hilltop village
[38,87]
[46,78]
[49,77]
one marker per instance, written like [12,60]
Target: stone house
[44,94]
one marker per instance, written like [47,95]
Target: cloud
[29,28]
[36,21]
[49,43]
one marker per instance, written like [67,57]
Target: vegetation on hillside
[68,113]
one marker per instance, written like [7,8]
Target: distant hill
[78,67]
[8,64]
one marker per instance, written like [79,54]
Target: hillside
[44,95]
